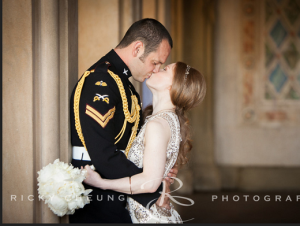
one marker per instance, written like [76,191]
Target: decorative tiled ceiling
[282,49]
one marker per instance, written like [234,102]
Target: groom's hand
[164,200]
[168,181]
[173,173]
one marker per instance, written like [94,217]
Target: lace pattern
[156,214]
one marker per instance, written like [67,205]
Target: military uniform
[105,118]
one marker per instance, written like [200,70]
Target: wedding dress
[156,214]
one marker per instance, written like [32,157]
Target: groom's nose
[156,69]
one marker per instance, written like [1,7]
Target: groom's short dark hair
[150,32]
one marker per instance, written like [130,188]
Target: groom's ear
[137,49]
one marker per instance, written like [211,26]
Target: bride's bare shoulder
[159,126]
[157,133]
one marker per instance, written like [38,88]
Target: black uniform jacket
[101,117]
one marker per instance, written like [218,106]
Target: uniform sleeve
[97,115]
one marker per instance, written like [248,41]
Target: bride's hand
[93,178]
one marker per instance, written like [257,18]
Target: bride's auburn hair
[185,94]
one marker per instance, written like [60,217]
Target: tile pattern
[282,50]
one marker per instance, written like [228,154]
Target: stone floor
[205,210]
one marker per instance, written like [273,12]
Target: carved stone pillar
[55,74]
[18,162]
[193,32]
[40,69]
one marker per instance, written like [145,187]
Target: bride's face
[162,79]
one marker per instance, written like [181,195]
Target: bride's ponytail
[188,90]
[186,143]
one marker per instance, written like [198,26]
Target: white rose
[58,205]
[72,205]
[81,201]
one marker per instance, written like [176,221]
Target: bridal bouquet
[60,186]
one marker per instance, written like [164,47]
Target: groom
[106,116]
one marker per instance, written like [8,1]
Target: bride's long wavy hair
[185,94]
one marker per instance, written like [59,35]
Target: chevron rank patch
[98,117]
[100,83]
[99,97]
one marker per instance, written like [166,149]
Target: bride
[163,141]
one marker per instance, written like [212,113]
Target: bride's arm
[157,136]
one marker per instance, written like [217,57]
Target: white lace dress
[156,214]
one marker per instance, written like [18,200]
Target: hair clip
[187,71]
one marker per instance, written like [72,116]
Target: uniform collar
[119,64]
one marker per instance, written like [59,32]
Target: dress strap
[159,113]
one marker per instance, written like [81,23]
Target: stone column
[193,29]
[18,161]
[68,66]
[46,92]
[40,69]
[199,36]
[55,73]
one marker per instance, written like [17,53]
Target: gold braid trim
[134,116]
[101,119]
[76,106]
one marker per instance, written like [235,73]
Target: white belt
[80,153]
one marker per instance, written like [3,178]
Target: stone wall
[256,123]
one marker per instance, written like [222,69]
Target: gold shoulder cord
[76,106]
[134,116]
